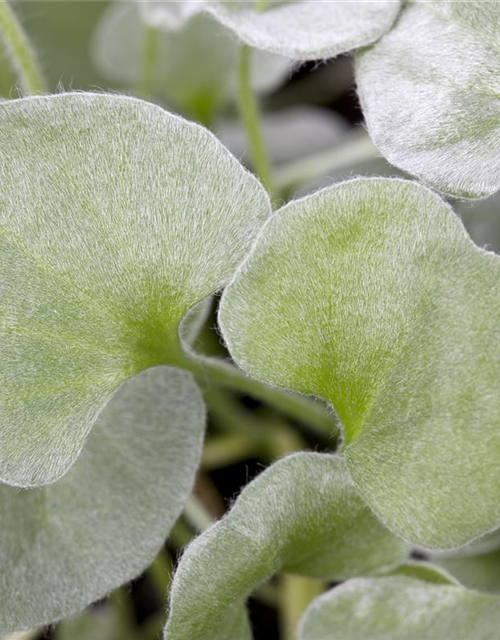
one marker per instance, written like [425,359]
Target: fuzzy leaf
[302,515]
[196,66]
[430,91]
[68,544]
[115,219]
[371,295]
[399,608]
[297,29]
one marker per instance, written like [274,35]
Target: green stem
[160,573]
[251,119]
[150,49]
[296,593]
[357,148]
[302,408]
[20,53]
[197,515]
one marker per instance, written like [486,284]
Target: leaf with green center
[69,544]
[371,295]
[399,608]
[297,29]
[195,67]
[115,219]
[430,91]
[302,515]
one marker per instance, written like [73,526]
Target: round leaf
[430,91]
[115,219]
[297,29]
[371,295]
[302,515]
[69,544]
[399,608]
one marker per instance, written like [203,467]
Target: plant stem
[355,149]
[251,119]
[150,47]
[296,593]
[19,50]
[302,408]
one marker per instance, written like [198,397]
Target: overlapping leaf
[195,67]
[430,91]
[68,544]
[115,219]
[371,295]
[297,29]
[302,515]
[399,608]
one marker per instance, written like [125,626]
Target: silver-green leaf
[371,295]
[400,608]
[116,218]
[302,515]
[430,92]
[297,29]
[69,544]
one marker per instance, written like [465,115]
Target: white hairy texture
[430,92]
[297,29]
[115,219]
[371,295]
[290,134]
[196,66]
[399,608]
[69,544]
[302,515]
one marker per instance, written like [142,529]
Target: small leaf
[115,219]
[66,545]
[476,566]
[297,29]
[196,66]
[302,515]
[371,295]
[430,91]
[399,608]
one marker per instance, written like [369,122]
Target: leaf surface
[302,515]
[115,219]
[297,29]
[399,608]
[371,295]
[430,92]
[71,543]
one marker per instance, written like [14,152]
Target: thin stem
[150,49]
[251,119]
[302,408]
[197,515]
[19,50]
[357,148]
[296,593]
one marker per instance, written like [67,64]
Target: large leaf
[302,515]
[371,295]
[195,67]
[115,219]
[66,545]
[298,29]
[399,608]
[430,91]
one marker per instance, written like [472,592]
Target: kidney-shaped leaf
[115,218]
[195,68]
[371,295]
[68,544]
[297,29]
[302,515]
[430,91]
[399,608]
